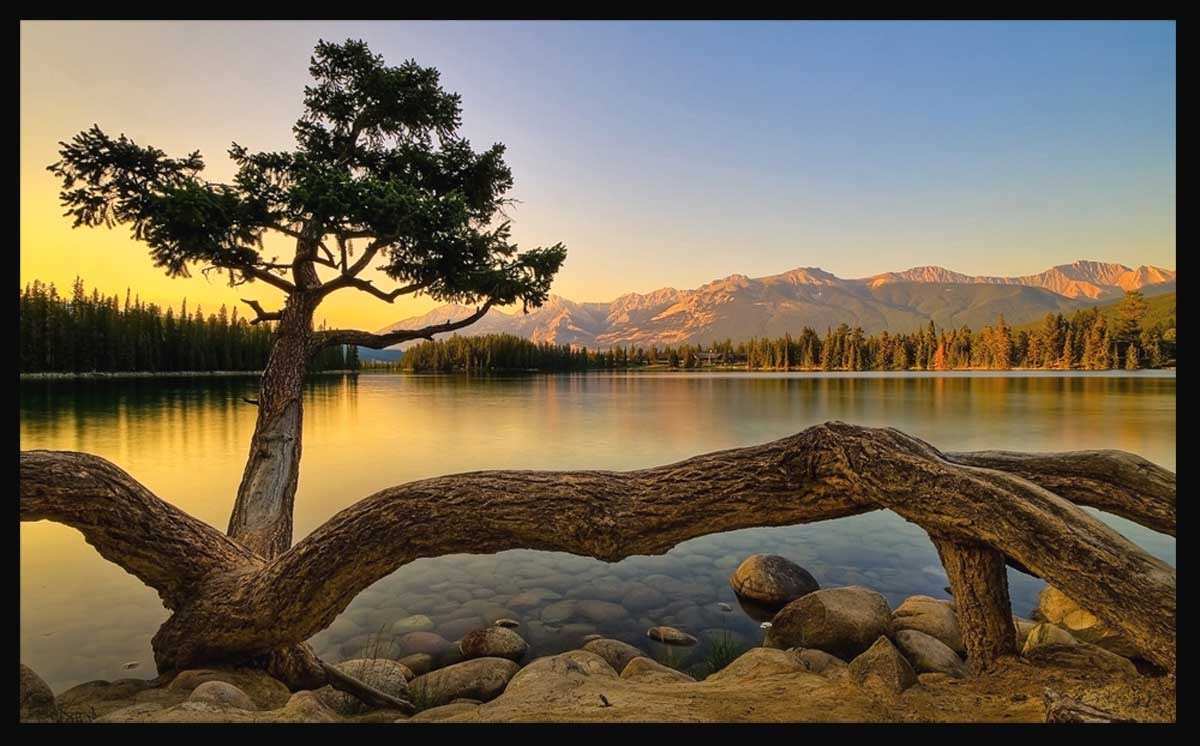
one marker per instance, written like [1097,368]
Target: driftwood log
[230,604]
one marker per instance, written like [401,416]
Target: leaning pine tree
[380,178]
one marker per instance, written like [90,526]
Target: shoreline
[109,375]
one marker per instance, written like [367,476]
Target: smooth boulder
[757,663]
[481,679]
[222,695]
[35,697]
[841,621]
[388,676]
[818,661]
[883,666]
[649,671]
[493,642]
[1056,607]
[932,616]
[670,636]
[1046,634]
[927,654]
[771,580]
[616,653]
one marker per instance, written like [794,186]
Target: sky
[668,154]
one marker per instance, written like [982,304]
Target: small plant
[722,651]
[669,657]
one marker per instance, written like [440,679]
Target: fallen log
[231,604]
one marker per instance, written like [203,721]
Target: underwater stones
[882,665]
[841,621]
[670,636]
[600,612]
[413,623]
[456,628]
[641,597]
[928,654]
[418,663]
[507,623]
[421,642]
[558,612]
[771,580]
[497,642]
[931,616]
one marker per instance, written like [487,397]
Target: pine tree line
[1087,340]
[95,333]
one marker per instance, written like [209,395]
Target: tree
[380,177]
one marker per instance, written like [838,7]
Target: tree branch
[348,281]
[378,341]
[267,277]
[260,314]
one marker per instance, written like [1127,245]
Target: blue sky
[674,153]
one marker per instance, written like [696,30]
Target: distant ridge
[739,307]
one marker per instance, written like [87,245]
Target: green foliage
[378,158]
[721,651]
[90,332]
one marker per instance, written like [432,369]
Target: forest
[89,332]
[1131,334]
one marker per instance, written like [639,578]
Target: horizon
[656,151]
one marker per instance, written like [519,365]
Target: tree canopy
[379,174]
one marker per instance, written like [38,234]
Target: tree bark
[230,604]
[262,514]
[979,584]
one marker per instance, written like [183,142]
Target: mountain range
[739,307]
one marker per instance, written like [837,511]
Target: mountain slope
[739,307]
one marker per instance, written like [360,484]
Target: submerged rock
[670,636]
[497,642]
[414,623]
[927,654]
[841,621]
[771,580]
[883,666]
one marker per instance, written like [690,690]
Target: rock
[758,663]
[1046,634]
[131,714]
[818,661]
[927,654]
[222,695]
[883,666]
[931,616]
[480,678]
[601,612]
[422,642]
[458,628]
[1023,627]
[414,623]
[841,621]
[442,712]
[493,642]
[1056,607]
[418,663]
[388,676]
[616,653]
[648,671]
[670,636]
[266,692]
[1081,656]
[507,623]
[532,598]
[642,597]
[771,580]
[607,589]
[307,707]
[558,612]
[572,665]
[36,699]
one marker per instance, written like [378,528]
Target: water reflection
[83,618]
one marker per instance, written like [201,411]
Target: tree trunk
[979,584]
[262,515]
[231,605]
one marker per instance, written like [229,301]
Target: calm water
[83,618]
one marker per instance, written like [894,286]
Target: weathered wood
[979,582]
[1113,481]
[1063,709]
[242,607]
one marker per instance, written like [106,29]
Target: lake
[186,439]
